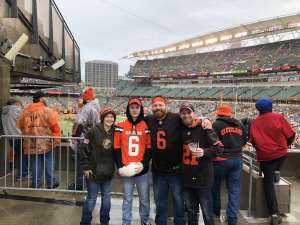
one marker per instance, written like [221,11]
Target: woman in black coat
[97,161]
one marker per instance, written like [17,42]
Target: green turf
[120,118]
[66,125]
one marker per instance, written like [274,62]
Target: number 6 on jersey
[133,145]
[161,140]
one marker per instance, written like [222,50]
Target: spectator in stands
[97,161]
[10,113]
[146,111]
[132,145]
[271,135]
[232,134]
[39,120]
[87,118]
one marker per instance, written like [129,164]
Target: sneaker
[276,219]
[72,187]
[223,218]
[55,185]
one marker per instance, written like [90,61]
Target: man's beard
[159,113]
[187,122]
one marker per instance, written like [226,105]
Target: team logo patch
[189,133]
[160,122]
[86,141]
[106,143]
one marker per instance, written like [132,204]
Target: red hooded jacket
[271,135]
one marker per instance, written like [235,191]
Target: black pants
[268,168]
[194,197]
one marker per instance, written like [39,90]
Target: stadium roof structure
[259,32]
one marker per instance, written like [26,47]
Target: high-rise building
[101,74]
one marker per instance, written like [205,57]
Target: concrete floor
[16,208]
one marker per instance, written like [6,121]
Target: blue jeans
[93,188]
[143,188]
[192,198]
[37,166]
[20,159]
[229,170]
[161,187]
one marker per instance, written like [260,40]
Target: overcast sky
[110,29]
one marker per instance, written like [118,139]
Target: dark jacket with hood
[232,134]
[198,172]
[122,133]
[96,153]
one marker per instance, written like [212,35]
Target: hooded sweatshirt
[96,153]
[88,116]
[232,134]
[10,114]
[132,142]
[39,120]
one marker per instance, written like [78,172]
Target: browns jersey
[166,143]
[132,143]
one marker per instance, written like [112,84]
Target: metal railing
[49,163]
[249,159]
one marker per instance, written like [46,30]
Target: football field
[66,124]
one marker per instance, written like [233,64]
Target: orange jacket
[39,120]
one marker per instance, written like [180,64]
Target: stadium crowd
[270,55]
[208,108]
[67,105]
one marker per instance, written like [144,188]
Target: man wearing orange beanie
[87,118]
[232,134]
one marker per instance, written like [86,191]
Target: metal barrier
[253,199]
[249,159]
[40,154]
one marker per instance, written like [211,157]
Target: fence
[52,158]
[249,159]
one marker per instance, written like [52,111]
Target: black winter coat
[96,153]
